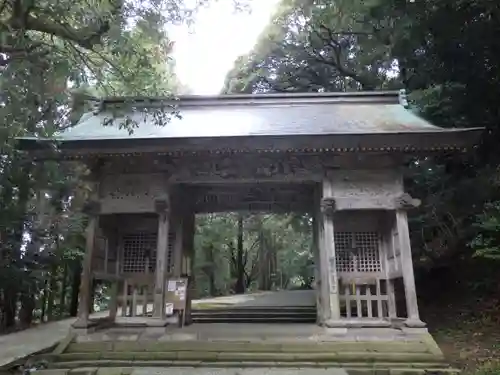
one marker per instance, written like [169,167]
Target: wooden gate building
[336,156]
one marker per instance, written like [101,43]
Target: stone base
[84,326]
[156,322]
[82,323]
[414,323]
[357,323]
[415,330]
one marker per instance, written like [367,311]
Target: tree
[52,56]
[315,46]
[444,53]
[238,253]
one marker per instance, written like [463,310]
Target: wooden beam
[403,201]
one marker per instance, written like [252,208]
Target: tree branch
[365,82]
[86,37]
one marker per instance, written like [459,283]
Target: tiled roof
[310,122]
[264,115]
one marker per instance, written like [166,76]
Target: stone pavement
[266,299]
[236,371]
[198,371]
[18,345]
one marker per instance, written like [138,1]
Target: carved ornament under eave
[328,206]
[406,202]
[352,184]
[245,166]
[162,206]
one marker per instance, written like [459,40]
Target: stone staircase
[122,357]
[281,314]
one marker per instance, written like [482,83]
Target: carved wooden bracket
[405,201]
[162,206]
[92,208]
[328,206]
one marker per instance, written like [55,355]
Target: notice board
[176,294]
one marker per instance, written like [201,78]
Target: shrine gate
[336,156]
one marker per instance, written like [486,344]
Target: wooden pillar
[92,209]
[407,270]
[113,306]
[317,261]
[188,232]
[162,208]
[178,251]
[112,247]
[391,303]
[328,258]
[389,255]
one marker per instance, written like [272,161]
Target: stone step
[242,346]
[271,313]
[258,308]
[129,367]
[174,356]
[356,357]
[252,319]
[255,315]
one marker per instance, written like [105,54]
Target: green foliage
[491,368]
[53,55]
[276,252]
[487,241]
[444,53]
[315,46]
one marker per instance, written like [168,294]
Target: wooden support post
[407,270]
[92,209]
[317,264]
[125,298]
[162,208]
[113,306]
[391,299]
[188,232]
[328,257]
[178,244]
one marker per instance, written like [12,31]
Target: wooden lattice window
[170,253]
[357,251]
[137,248]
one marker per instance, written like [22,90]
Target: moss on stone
[86,347]
[78,356]
[83,371]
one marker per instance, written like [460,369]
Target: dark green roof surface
[271,115]
[264,121]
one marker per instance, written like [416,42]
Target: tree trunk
[62,297]
[43,306]
[209,256]
[9,308]
[264,264]
[20,177]
[27,308]
[273,266]
[240,267]
[51,292]
[75,287]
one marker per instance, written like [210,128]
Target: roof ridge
[354,97]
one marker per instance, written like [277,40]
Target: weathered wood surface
[162,208]
[352,190]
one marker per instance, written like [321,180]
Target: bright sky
[207,52]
